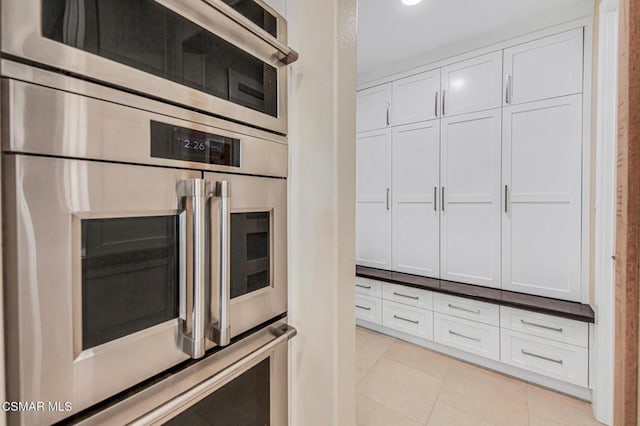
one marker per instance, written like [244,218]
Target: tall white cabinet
[472,172]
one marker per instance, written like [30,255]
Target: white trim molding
[605,211]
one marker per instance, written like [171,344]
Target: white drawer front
[408,319]
[368,287]
[368,308]
[408,296]
[554,359]
[470,336]
[467,308]
[548,326]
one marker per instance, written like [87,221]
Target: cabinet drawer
[368,287]
[408,319]
[547,326]
[368,308]
[479,339]
[408,296]
[543,356]
[467,308]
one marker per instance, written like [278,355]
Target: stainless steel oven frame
[21,36]
[166,399]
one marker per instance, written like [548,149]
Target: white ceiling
[394,37]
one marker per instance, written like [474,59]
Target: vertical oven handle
[221,331]
[193,249]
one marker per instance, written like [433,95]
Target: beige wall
[322,211]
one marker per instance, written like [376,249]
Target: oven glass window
[242,402]
[250,252]
[129,276]
[256,14]
[148,36]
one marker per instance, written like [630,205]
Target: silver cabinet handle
[436,105]
[557,361]
[366,308]
[183,400]
[435,198]
[388,113]
[368,287]
[407,296]
[546,327]
[286,55]
[507,96]
[444,94]
[193,249]
[475,339]
[506,198]
[221,331]
[464,309]
[388,199]
[406,319]
[442,199]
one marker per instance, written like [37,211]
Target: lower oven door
[245,384]
[248,252]
[96,263]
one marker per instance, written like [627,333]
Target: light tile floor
[400,384]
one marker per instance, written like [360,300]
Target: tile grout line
[439,392]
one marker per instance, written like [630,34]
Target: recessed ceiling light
[411,2]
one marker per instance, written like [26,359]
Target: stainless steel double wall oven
[144,210]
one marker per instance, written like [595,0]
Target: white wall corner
[322,211]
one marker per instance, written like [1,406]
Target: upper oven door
[248,252]
[102,264]
[187,52]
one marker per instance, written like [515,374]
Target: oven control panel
[180,143]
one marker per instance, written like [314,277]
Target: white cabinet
[542,176]
[408,296]
[544,68]
[472,85]
[368,287]
[547,326]
[416,221]
[471,198]
[373,108]
[415,98]
[408,319]
[474,310]
[479,339]
[369,308]
[373,203]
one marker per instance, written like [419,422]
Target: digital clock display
[180,143]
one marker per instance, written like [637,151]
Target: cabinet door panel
[470,243]
[416,222]
[545,68]
[373,214]
[472,85]
[542,226]
[415,98]
[373,108]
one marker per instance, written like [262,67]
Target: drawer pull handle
[558,329]
[405,319]
[557,361]
[476,311]
[366,308]
[368,287]
[404,295]
[476,339]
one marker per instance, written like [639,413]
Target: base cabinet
[546,349]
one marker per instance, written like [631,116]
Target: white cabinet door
[472,85]
[373,204]
[542,145]
[416,220]
[416,98]
[373,108]
[545,68]
[471,198]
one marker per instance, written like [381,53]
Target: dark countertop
[561,308]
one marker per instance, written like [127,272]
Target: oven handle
[193,251]
[221,331]
[286,55]
[164,412]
